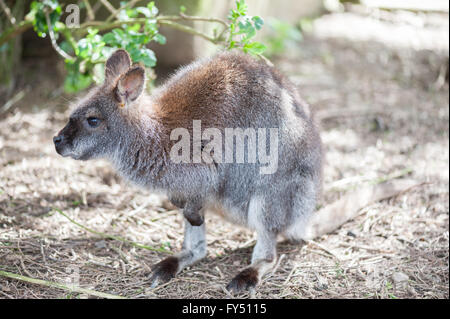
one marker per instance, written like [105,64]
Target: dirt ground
[383,107]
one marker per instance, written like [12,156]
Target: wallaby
[230,92]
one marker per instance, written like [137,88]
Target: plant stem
[69,37]
[196,18]
[391,176]
[90,13]
[189,30]
[60,51]
[7,11]
[162,250]
[127,5]
[53,284]
[103,26]
[109,6]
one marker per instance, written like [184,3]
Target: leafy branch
[87,46]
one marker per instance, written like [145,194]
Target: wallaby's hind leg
[194,249]
[264,253]
[263,259]
[304,204]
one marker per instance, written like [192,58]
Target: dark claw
[244,281]
[164,271]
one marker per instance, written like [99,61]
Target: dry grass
[380,113]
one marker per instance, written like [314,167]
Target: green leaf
[145,11]
[76,81]
[233,15]
[110,38]
[37,13]
[160,38]
[135,27]
[153,9]
[92,32]
[232,28]
[119,33]
[98,73]
[258,22]
[124,15]
[137,38]
[151,27]
[246,27]
[52,4]
[59,26]
[90,48]
[241,7]
[144,55]
[65,46]
[73,84]
[254,48]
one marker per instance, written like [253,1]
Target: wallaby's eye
[93,121]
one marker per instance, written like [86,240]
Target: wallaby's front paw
[195,219]
[245,280]
[164,271]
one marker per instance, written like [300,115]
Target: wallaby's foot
[164,271]
[263,260]
[246,280]
[194,249]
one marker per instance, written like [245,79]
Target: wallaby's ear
[130,85]
[117,64]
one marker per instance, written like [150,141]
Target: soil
[383,108]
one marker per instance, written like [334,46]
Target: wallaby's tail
[334,215]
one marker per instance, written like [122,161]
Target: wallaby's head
[99,118]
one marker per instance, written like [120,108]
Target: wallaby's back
[229,89]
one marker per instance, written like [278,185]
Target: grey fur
[227,91]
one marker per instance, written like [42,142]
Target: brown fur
[245,280]
[166,269]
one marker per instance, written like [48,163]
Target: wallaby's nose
[57,140]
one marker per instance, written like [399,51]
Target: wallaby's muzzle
[57,140]
[59,144]
[63,139]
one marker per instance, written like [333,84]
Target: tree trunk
[10,52]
